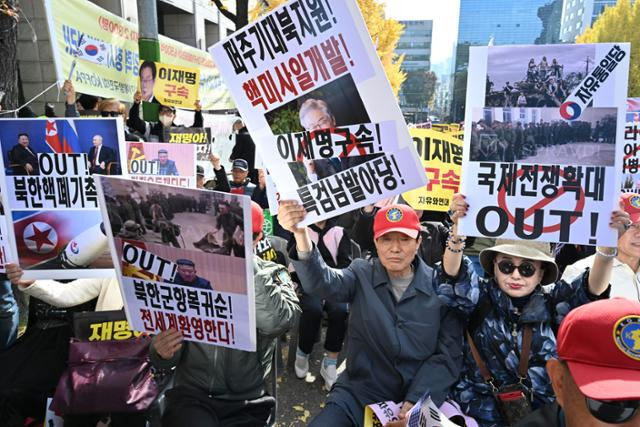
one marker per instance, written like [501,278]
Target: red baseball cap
[257,217]
[600,342]
[396,217]
[631,204]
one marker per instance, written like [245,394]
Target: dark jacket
[245,149]
[498,338]
[550,415]
[155,129]
[22,156]
[231,374]
[397,350]
[107,155]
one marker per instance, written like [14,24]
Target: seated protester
[335,248]
[109,107]
[221,183]
[23,393]
[402,339]
[595,384]
[240,183]
[511,330]
[626,265]
[222,386]
[154,131]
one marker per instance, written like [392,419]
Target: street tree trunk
[8,55]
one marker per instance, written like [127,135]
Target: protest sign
[630,178]
[441,156]
[98,52]
[425,413]
[379,414]
[49,195]
[540,154]
[169,84]
[181,261]
[103,326]
[314,96]
[4,239]
[172,164]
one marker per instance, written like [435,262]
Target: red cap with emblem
[400,218]
[257,217]
[600,342]
[630,202]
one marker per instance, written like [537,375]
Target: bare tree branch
[224,11]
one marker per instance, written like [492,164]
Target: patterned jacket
[499,339]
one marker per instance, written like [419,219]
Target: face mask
[166,120]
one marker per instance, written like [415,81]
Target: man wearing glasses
[596,377]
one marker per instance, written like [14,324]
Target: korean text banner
[543,143]
[631,158]
[180,258]
[441,155]
[49,195]
[162,163]
[313,94]
[169,84]
[99,50]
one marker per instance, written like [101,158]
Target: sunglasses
[526,269]
[613,411]
[110,114]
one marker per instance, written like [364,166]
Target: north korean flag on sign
[41,236]
[62,137]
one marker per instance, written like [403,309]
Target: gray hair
[313,104]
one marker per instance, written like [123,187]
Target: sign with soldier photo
[543,144]
[49,195]
[314,96]
[181,260]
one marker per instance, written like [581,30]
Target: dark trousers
[311,317]
[188,407]
[332,415]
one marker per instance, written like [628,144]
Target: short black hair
[184,261]
[23,134]
[151,65]
[88,102]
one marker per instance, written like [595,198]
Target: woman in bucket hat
[520,304]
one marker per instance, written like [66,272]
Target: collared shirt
[625,282]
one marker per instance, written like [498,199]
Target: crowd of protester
[498,327]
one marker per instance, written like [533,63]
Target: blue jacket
[397,350]
[500,349]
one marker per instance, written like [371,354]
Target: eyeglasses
[613,411]
[526,269]
[110,113]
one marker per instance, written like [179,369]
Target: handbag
[105,377]
[512,400]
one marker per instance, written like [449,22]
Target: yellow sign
[169,84]
[98,51]
[441,155]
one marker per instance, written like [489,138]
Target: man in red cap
[625,282]
[222,386]
[402,340]
[596,377]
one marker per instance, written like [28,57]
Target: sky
[445,21]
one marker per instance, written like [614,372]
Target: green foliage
[286,121]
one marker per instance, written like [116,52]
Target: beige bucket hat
[538,251]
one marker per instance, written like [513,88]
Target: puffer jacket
[235,374]
[498,338]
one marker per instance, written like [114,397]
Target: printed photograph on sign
[208,222]
[535,76]
[333,105]
[50,196]
[169,84]
[151,158]
[542,136]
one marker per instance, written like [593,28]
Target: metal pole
[148,45]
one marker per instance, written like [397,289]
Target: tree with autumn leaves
[619,23]
[384,32]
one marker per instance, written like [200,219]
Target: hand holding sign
[458,207]
[166,343]
[70,92]
[14,273]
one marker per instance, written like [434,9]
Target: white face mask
[166,120]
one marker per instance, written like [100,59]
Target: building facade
[500,22]
[415,45]
[192,22]
[578,15]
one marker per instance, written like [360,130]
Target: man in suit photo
[100,156]
[23,159]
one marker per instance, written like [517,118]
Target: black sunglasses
[613,411]
[110,114]
[526,269]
